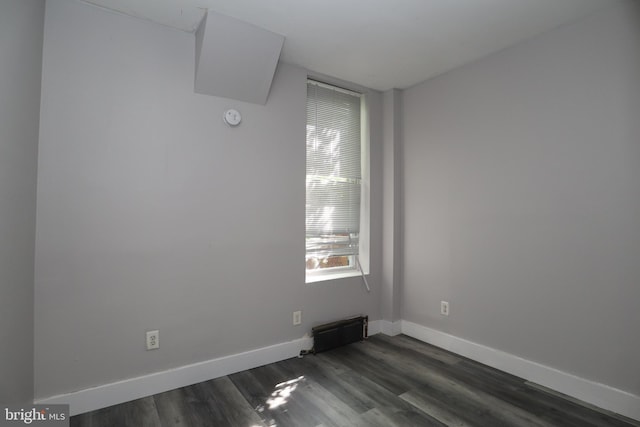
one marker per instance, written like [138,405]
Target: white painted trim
[134,388]
[321,276]
[374,327]
[391,328]
[600,395]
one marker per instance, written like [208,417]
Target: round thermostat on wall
[232,117]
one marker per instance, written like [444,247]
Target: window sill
[323,276]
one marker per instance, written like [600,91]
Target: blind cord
[362,273]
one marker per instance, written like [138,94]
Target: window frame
[358,264]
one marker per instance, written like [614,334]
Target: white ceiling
[381,44]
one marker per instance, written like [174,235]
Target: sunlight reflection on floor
[281,394]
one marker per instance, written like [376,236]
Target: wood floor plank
[272,393]
[182,408]
[517,392]
[571,412]
[316,400]
[430,351]
[374,418]
[605,418]
[141,412]
[315,368]
[359,391]
[440,377]
[226,403]
[327,407]
[440,412]
[387,375]
[433,376]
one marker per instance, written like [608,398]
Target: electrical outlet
[444,308]
[297,318]
[153,340]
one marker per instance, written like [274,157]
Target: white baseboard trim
[600,395]
[134,388]
[391,328]
[374,327]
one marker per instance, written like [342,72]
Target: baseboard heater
[342,332]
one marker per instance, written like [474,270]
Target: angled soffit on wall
[235,59]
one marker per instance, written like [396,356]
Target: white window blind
[334,172]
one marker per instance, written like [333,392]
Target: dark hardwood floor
[384,381]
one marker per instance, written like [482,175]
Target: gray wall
[152,214]
[522,187]
[21,24]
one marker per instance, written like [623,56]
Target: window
[334,181]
